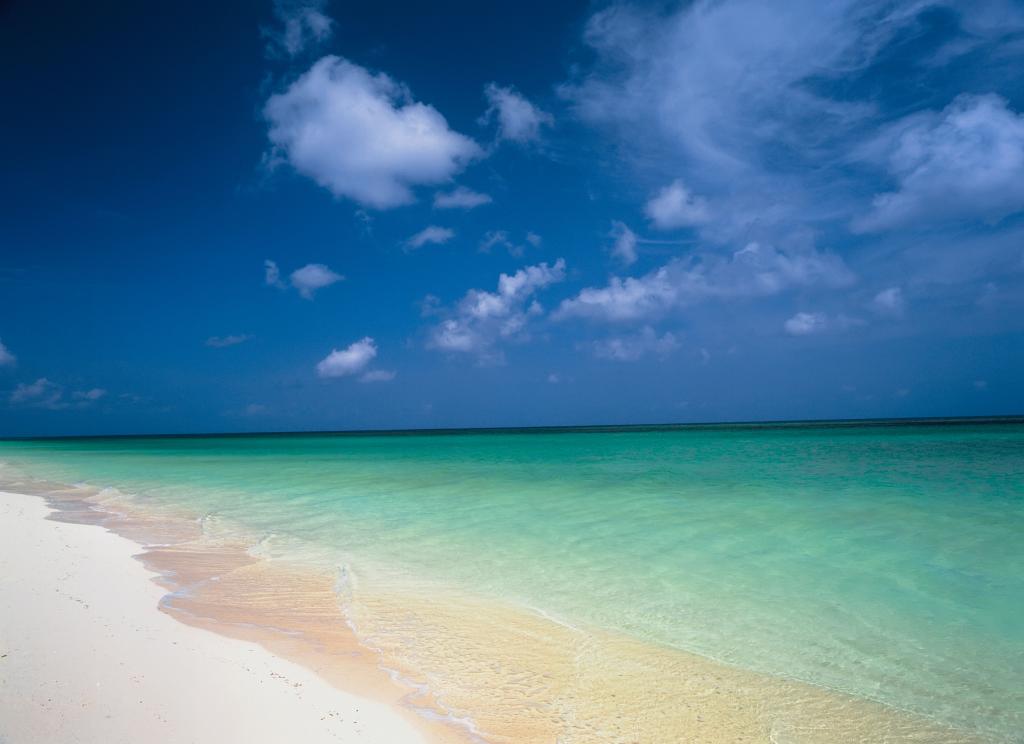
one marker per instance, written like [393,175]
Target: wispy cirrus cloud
[460,198]
[502,239]
[805,324]
[888,302]
[220,342]
[631,347]
[432,234]
[378,375]
[46,394]
[42,393]
[753,271]
[7,359]
[766,123]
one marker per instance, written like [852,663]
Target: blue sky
[282,216]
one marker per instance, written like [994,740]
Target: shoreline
[85,655]
[504,675]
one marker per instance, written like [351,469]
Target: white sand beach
[87,656]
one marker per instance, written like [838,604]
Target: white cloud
[965,162]
[633,347]
[624,248]
[219,342]
[711,83]
[804,324]
[482,319]
[272,275]
[312,277]
[89,395]
[754,271]
[674,207]
[7,359]
[737,98]
[362,136]
[430,234]
[888,302]
[348,361]
[303,24]
[501,239]
[518,119]
[378,375]
[493,238]
[41,394]
[460,198]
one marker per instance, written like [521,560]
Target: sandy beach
[86,655]
[177,638]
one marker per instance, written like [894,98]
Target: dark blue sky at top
[717,211]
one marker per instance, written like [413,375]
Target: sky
[315,215]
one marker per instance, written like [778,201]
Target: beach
[628,586]
[86,656]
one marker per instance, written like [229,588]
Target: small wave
[262,548]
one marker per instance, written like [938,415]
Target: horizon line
[556,428]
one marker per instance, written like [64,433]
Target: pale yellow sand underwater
[88,657]
[75,611]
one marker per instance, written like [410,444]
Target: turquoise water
[884,561]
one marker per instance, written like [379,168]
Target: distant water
[886,561]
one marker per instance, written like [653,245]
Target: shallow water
[882,561]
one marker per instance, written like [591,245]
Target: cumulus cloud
[219,342]
[7,359]
[624,248]
[430,234]
[312,277]
[633,347]
[348,361]
[804,324]
[378,375]
[518,119]
[460,198]
[93,394]
[481,319]
[362,136]
[303,24]
[674,207]
[754,271]
[965,162]
[888,302]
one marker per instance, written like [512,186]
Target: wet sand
[459,669]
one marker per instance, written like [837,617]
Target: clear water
[885,561]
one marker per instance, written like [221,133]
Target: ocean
[883,561]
